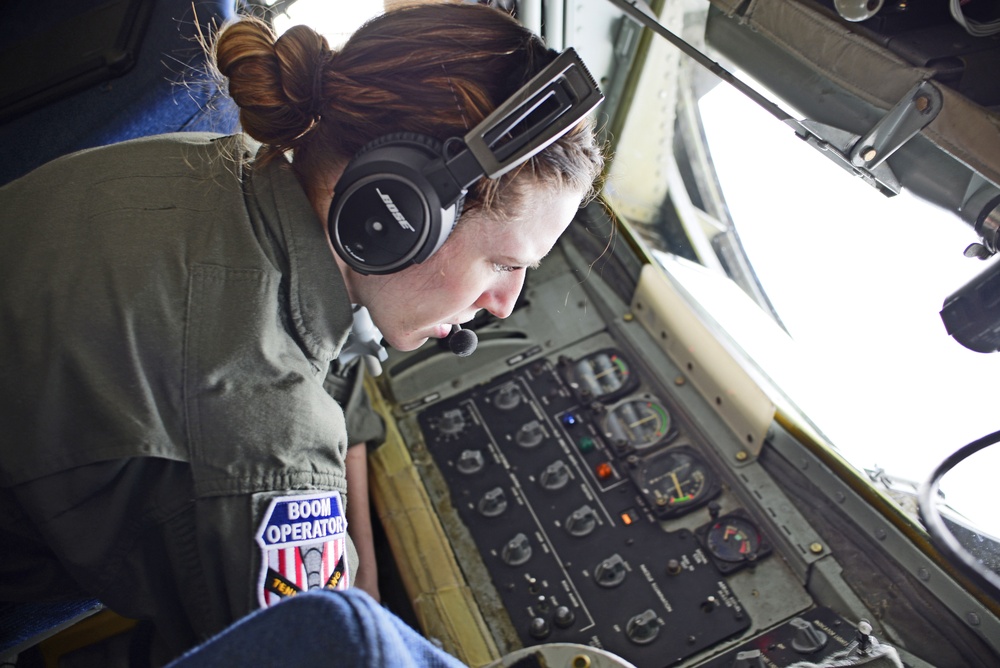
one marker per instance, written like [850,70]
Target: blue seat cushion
[167,89]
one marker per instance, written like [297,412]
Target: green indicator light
[586,444]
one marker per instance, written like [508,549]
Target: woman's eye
[504,267]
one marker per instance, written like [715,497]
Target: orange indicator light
[604,471]
[629,516]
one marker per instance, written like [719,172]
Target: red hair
[435,69]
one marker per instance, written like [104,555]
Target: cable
[986,579]
[973,27]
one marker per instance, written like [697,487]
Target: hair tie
[316,103]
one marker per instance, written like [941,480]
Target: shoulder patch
[303,543]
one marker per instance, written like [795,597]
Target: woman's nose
[501,297]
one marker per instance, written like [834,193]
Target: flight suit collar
[319,306]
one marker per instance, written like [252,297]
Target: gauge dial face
[640,423]
[733,539]
[603,375]
[676,481]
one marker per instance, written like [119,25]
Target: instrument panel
[565,474]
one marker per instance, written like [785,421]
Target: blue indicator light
[569,420]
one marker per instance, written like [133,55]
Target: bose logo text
[400,218]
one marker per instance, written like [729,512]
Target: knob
[749,659]
[530,434]
[563,617]
[493,502]
[470,461]
[517,550]
[581,521]
[507,397]
[643,628]
[539,628]
[806,638]
[452,421]
[610,572]
[555,475]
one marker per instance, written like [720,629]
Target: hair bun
[274,82]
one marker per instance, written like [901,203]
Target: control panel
[565,474]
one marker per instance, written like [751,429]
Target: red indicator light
[604,471]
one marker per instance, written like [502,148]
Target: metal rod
[641,12]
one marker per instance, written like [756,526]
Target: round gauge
[733,539]
[675,481]
[602,375]
[640,423]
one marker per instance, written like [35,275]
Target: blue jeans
[320,628]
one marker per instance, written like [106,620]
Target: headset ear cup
[433,146]
[437,148]
[385,213]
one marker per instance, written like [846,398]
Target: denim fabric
[320,628]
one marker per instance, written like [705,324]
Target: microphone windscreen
[462,342]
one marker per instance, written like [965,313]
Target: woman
[172,306]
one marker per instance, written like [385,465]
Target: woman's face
[480,266]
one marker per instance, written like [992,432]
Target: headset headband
[539,113]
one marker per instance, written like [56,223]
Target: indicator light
[569,420]
[586,444]
[629,516]
[604,471]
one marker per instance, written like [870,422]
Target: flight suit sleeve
[364,424]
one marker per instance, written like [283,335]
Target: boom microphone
[462,342]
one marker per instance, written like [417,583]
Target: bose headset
[399,198]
